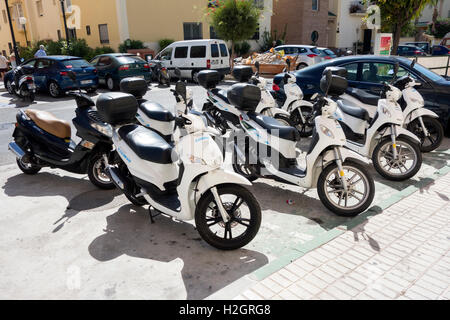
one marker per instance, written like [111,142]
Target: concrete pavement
[402,253]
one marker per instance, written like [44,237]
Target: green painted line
[327,236]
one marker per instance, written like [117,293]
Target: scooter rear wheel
[353,201]
[435,129]
[28,168]
[244,212]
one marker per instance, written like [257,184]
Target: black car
[368,72]
[410,51]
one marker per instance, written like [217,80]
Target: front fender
[220,176]
[276,111]
[298,104]
[329,156]
[421,112]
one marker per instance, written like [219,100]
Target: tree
[396,15]
[234,20]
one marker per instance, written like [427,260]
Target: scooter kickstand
[153,216]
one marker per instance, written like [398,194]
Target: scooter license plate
[31,87]
[86,82]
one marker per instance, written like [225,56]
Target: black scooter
[42,140]
[160,73]
[23,85]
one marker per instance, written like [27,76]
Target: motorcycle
[289,97]
[344,185]
[422,122]
[23,85]
[394,150]
[160,73]
[179,176]
[42,140]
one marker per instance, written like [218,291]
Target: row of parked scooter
[171,160]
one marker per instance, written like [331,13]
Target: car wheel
[301,66]
[195,76]
[110,84]
[54,90]
[8,86]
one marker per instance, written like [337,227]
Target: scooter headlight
[104,129]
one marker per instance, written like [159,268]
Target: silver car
[306,55]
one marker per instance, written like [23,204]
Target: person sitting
[41,52]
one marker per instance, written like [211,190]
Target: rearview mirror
[396,67]
[329,77]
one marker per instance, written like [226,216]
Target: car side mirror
[413,63]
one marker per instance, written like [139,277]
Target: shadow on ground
[205,270]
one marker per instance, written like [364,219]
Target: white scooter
[300,110]
[183,179]
[394,150]
[422,122]
[344,184]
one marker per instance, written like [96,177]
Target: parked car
[327,54]
[424,45]
[51,74]
[446,40]
[440,51]
[193,56]
[306,55]
[368,72]
[113,67]
[410,51]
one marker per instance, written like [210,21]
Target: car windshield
[78,63]
[329,52]
[130,59]
[315,50]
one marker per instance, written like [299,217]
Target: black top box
[242,73]
[245,97]
[117,107]
[337,71]
[338,85]
[135,86]
[208,79]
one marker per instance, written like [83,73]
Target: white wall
[347,25]
[444,11]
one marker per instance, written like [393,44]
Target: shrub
[242,48]
[103,50]
[163,43]
[131,44]
[442,28]
[80,48]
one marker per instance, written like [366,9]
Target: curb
[329,235]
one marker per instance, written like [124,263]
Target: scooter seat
[147,144]
[363,96]
[49,123]
[354,111]
[222,94]
[156,111]
[272,125]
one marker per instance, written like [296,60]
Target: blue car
[440,51]
[51,74]
[369,72]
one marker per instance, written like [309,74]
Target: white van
[193,56]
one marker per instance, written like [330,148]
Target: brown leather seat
[49,123]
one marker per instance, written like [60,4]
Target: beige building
[32,20]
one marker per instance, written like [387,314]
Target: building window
[72,34]
[315,5]
[68,5]
[4,53]
[259,4]
[192,31]
[40,9]
[103,31]
[59,35]
[10,47]
[212,33]
[256,35]
[88,30]
[5,17]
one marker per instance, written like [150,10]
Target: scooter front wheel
[405,166]
[244,212]
[27,167]
[435,130]
[350,201]
[97,174]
